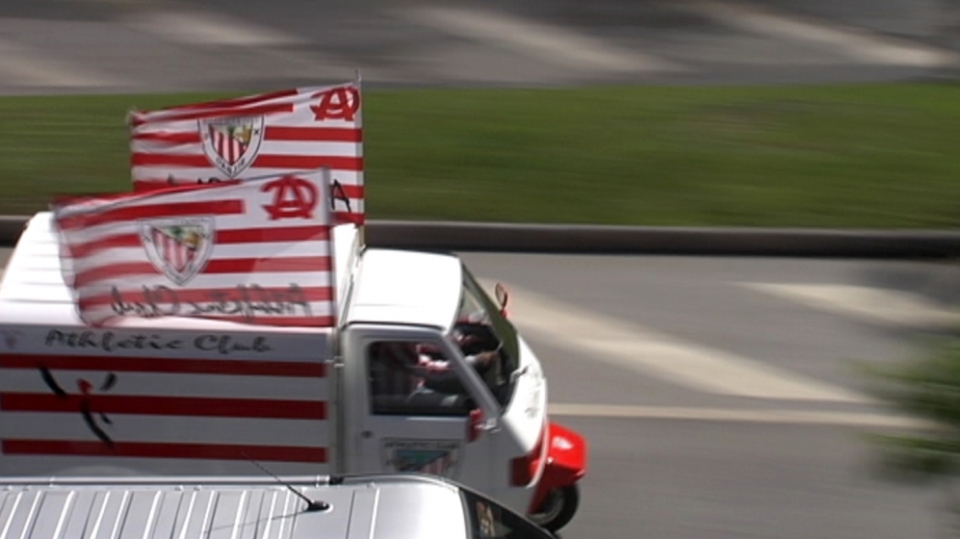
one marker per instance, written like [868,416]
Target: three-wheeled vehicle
[188,396]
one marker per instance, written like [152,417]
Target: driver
[414,368]
[479,361]
[438,373]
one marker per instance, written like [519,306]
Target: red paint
[566,462]
[165,450]
[234,367]
[163,406]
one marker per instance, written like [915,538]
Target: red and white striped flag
[255,137]
[257,252]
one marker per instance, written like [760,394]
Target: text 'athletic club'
[256,137]
[255,252]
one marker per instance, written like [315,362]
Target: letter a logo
[340,103]
[292,198]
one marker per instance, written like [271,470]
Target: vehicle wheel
[558,508]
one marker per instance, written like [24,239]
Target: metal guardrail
[542,238]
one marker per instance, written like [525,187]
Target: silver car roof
[368,507]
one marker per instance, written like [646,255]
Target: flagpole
[330,220]
[361,232]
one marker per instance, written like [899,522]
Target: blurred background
[736,410]
[803,132]
[155,45]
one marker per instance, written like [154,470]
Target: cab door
[412,421]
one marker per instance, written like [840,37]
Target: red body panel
[566,462]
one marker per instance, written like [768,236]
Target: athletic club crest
[435,457]
[231,143]
[179,248]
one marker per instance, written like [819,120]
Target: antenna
[311,504]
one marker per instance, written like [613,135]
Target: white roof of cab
[374,507]
[403,287]
[32,290]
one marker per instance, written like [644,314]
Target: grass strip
[883,156]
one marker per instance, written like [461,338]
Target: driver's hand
[428,350]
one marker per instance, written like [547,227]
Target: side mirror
[475,425]
[503,297]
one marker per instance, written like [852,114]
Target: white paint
[23,66]
[866,303]
[549,43]
[796,417]
[405,287]
[194,28]
[602,338]
[854,43]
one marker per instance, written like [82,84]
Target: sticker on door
[436,457]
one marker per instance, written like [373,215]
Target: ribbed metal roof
[229,509]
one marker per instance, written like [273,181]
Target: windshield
[490,520]
[480,330]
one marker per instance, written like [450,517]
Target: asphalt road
[162,45]
[718,394]
[696,463]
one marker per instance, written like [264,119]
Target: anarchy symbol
[292,198]
[337,104]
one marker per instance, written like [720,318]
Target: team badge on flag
[249,138]
[237,252]
[231,143]
[179,248]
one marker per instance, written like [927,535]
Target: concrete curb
[664,240]
[535,238]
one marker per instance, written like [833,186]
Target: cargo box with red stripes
[387,361]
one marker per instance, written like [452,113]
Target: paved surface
[929,20]
[158,45]
[718,394]
[720,400]
[792,325]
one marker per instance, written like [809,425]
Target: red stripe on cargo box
[166,406]
[235,367]
[164,450]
